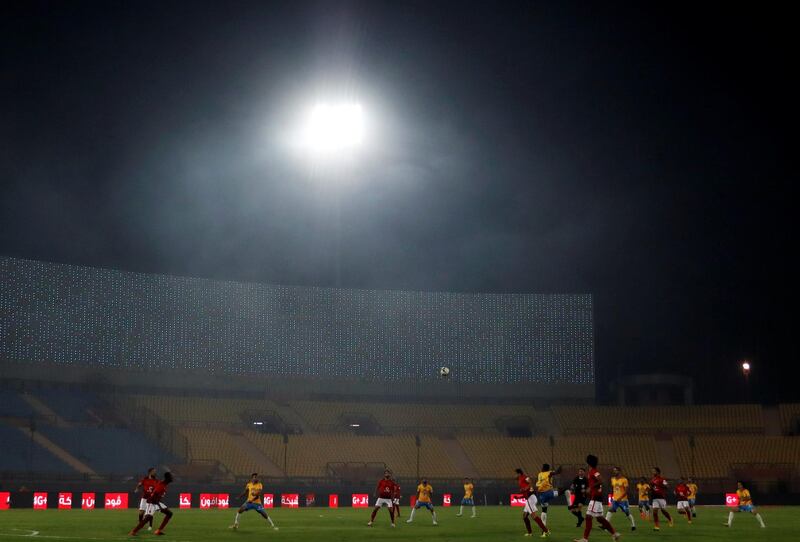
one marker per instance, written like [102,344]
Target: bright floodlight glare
[746,366]
[332,128]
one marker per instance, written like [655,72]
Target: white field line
[27,533]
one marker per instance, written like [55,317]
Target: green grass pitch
[348,524]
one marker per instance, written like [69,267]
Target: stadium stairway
[42,409]
[260,461]
[667,460]
[459,457]
[59,452]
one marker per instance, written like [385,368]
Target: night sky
[637,152]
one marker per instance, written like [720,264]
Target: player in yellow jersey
[745,505]
[692,496]
[467,500]
[252,491]
[424,492]
[619,496]
[644,498]
[545,491]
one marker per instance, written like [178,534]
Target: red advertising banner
[208,500]
[290,500]
[64,501]
[223,500]
[269,500]
[333,501]
[116,501]
[360,500]
[185,501]
[732,500]
[446,499]
[5,500]
[40,501]
[311,499]
[517,499]
[87,501]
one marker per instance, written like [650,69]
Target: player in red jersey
[396,498]
[595,508]
[384,493]
[526,486]
[148,484]
[682,493]
[154,503]
[658,498]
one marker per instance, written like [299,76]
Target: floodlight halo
[331,128]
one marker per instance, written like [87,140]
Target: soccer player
[424,492]
[154,503]
[467,499]
[526,488]
[682,493]
[619,497]
[384,493]
[252,491]
[692,496]
[148,484]
[396,498]
[544,488]
[578,490]
[745,505]
[595,508]
[644,498]
[658,490]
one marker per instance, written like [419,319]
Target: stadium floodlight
[330,128]
[746,374]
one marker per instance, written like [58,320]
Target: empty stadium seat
[402,417]
[309,455]
[660,419]
[12,405]
[73,406]
[497,456]
[108,450]
[19,453]
[790,418]
[715,455]
[183,410]
[216,445]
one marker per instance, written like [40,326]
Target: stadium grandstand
[105,373]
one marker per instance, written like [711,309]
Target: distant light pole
[746,373]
